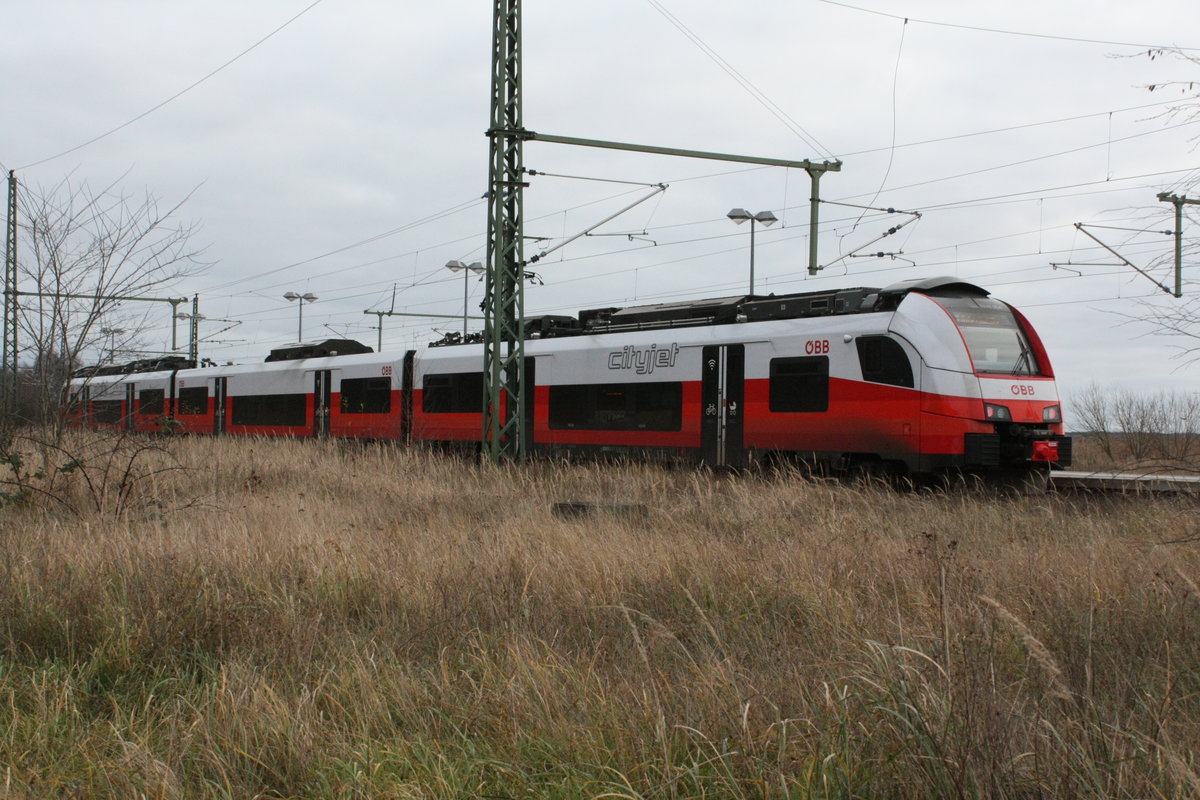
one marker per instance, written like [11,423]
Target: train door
[529,393]
[130,399]
[171,408]
[220,396]
[322,396]
[406,397]
[722,402]
[84,404]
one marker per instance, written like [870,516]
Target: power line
[422,281]
[743,81]
[582,205]
[892,150]
[1032,160]
[1028,34]
[1007,129]
[711,253]
[177,95]
[370,239]
[990,199]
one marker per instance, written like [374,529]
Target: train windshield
[995,340]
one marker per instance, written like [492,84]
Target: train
[921,377]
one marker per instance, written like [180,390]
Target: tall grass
[320,619]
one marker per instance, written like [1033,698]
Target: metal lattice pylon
[8,364]
[504,302]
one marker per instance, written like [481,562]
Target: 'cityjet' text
[643,360]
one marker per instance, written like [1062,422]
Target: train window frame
[151,402]
[637,406]
[269,410]
[366,395]
[77,400]
[107,412]
[452,393]
[799,384]
[995,340]
[192,397]
[882,360]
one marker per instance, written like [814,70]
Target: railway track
[1124,482]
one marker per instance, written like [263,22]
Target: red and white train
[923,376]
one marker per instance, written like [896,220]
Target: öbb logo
[1024,389]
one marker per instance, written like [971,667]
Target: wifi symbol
[712,363]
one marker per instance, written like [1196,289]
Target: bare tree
[82,248]
[1143,430]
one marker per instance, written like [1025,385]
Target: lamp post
[112,334]
[766,218]
[194,320]
[466,269]
[307,297]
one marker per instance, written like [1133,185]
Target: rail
[1124,482]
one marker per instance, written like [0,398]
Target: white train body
[924,376]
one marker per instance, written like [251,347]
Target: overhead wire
[609,273]
[710,254]
[703,255]
[743,81]
[178,94]
[1023,162]
[1006,32]
[365,241]
[370,239]
[892,151]
[455,209]
[1006,129]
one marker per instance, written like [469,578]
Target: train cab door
[130,399]
[220,398]
[722,405]
[322,396]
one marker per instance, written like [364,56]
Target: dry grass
[318,619]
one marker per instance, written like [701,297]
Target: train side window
[106,411]
[193,400]
[270,409]
[150,402]
[800,384]
[617,406]
[883,360]
[452,393]
[77,401]
[367,395]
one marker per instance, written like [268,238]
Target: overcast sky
[357,131]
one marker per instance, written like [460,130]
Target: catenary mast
[504,434]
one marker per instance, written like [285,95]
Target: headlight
[996,413]
[1052,414]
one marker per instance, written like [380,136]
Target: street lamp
[112,334]
[193,334]
[467,269]
[307,297]
[766,218]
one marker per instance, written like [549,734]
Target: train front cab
[989,398]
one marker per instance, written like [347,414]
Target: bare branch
[76,241]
